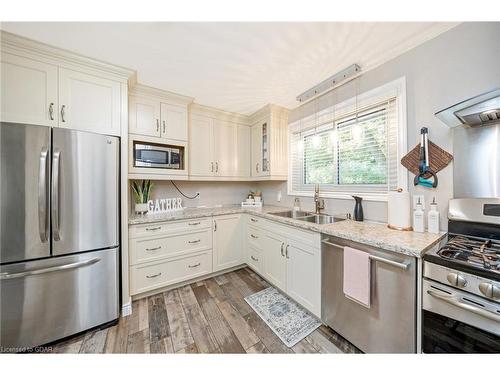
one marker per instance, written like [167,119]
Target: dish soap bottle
[418,218]
[433,217]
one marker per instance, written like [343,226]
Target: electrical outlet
[416,197]
[198,194]
[278,196]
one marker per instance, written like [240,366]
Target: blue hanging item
[423,166]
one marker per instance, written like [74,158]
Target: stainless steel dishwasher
[389,325]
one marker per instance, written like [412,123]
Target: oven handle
[455,302]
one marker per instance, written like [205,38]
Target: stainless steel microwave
[152,155]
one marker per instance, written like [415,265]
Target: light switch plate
[416,197]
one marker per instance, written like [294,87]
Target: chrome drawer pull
[154,248]
[253,258]
[196,241]
[155,228]
[254,220]
[195,265]
[153,276]
[254,236]
[197,223]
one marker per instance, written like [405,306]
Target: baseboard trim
[127,309]
[183,283]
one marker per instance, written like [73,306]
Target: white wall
[454,66]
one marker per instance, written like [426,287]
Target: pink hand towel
[357,276]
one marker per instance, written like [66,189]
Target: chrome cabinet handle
[63,113]
[402,265]
[164,127]
[253,258]
[195,241]
[154,248]
[254,236]
[51,111]
[196,223]
[68,266]
[157,125]
[215,225]
[153,276]
[456,302]
[286,251]
[257,167]
[281,251]
[212,166]
[254,220]
[155,228]
[194,265]
[216,167]
[56,160]
[42,196]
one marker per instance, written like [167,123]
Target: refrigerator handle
[42,195]
[56,160]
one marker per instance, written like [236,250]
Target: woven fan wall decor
[438,159]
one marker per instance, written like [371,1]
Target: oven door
[151,156]
[458,322]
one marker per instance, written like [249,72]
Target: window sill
[372,197]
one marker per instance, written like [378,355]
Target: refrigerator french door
[59,228]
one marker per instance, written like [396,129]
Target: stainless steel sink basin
[310,217]
[291,214]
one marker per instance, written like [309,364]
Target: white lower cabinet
[274,260]
[227,242]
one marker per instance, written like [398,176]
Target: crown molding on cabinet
[138,89]
[30,48]
[198,109]
[267,110]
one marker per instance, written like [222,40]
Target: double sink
[309,217]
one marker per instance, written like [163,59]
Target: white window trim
[394,89]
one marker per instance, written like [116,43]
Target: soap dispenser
[418,218]
[433,217]
[358,208]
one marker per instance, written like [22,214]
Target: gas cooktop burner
[478,253]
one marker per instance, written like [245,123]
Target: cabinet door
[225,148]
[303,276]
[274,260]
[144,116]
[174,122]
[29,91]
[228,242]
[256,167]
[243,153]
[90,103]
[201,147]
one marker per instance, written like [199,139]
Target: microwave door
[152,157]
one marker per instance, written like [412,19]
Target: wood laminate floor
[208,316]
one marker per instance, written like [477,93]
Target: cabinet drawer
[149,249]
[254,237]
[142,230]
[151,276]
[255,221]
[255,259]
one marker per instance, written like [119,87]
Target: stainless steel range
[461,287]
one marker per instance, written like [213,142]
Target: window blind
[356,153]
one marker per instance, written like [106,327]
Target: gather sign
[165,205]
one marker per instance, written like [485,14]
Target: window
[353,152]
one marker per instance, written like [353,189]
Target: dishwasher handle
[401,265]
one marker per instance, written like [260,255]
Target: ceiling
[238,67]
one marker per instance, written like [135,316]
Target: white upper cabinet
[144,116]
[87,102]
[219,145]
[29,91]
[201,147]
[158,113]
[270,143]
[174,122]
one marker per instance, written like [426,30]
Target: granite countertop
[369,233]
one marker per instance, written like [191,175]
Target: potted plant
[142,190]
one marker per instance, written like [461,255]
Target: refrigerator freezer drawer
[46,300]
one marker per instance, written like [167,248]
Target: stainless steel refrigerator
[59,228]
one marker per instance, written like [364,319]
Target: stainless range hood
[480,110]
